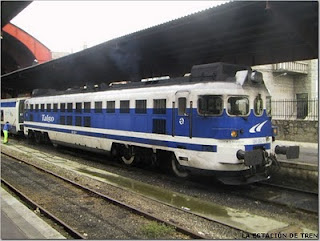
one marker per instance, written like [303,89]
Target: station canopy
[247,33]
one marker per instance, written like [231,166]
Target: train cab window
[78,107]
[238,106]
[31,107]
[69,107]
[182,106]
[210,105]
[111,106]
[159,106]
[55,107]
[141,106]
[37,107]
[268,106]
[258,105]
[98,107]
[42,107]
[48,107]
[87,107]
[62,107]
[124,106]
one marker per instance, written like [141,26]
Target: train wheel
[128,156]
[177,169]
[38,137]
[30,137]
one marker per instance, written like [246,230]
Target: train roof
[214,72]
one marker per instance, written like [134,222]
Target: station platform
[19,222]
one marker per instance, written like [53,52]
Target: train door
[21,111]
[182,113]
[20,116]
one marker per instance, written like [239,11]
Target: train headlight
[274,130]
[234,134]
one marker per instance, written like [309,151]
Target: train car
[12,111]
[215,120]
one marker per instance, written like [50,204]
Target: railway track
[239,227]
[35,206]
[285,187]
[225,223]
[76,234]
[295,198]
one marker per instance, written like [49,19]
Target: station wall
[297,130]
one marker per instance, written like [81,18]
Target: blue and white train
[217,119]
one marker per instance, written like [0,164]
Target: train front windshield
[238,106]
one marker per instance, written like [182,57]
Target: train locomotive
[215,120]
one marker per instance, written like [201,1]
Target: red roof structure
[40,51]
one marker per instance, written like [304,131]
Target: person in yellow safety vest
[6,129]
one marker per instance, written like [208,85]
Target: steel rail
[116,202]
[287,188]
[292,189]
[73,233]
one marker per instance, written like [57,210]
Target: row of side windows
[159,107]
[79,121]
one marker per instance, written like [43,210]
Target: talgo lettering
[47,118]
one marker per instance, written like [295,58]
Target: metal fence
[295,109]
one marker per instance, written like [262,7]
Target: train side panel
[12,111]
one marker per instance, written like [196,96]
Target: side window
[211,105]
[159,106]
[48,107]
[62,107]
[2,118]
[37,107]
[78,121]
[31,107]
[87,121]
[141,107]
[42,107]
[78,107]
[87,107]
[268,106]
[62,120]
[69,107]
[98,107]
[55,107]
[182,106]
[258,105]
[111,106]
[69,120]
[238,106]
[124,106]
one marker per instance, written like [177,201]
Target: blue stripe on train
[179,145]
[218,127]
[8,104]
[266,146]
